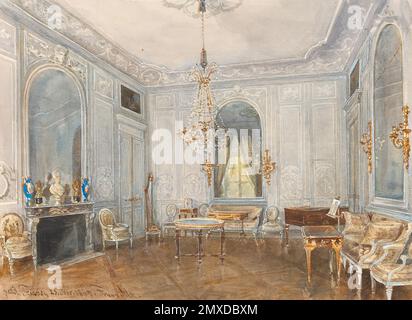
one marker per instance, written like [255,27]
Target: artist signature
[94,291]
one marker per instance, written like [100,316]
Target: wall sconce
[268,167]
[400,136]
[207,167]
[367,143]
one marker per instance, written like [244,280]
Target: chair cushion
[382,271]
[355,223]
[19,247]
[384,230]
[121,232]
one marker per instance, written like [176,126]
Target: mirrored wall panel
[55,130]
[388,101]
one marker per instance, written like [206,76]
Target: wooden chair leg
[373,284]
[359,279]
[11,266]
[35,263]
[389,291]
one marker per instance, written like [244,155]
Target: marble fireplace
[61,233]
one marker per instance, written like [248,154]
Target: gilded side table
[322,237]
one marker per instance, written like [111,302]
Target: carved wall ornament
[325,180]
[330,57]
[164,186]
[290,93]
[7,179]
[104,186]
[400,136]
[103,85]
[324,90]
[367,143]
[291,183]
[37,49]
[192,187]
[7,37]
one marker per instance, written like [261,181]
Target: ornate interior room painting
[159,150]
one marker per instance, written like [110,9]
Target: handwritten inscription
[94,291]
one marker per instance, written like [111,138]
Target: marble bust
[56,189]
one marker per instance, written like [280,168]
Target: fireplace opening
[60,238]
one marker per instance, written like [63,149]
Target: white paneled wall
[302,126]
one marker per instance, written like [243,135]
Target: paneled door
[132,173]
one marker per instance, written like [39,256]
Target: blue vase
[28,190]
[85,189]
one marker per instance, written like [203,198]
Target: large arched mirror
[238,152]
[55,126]
[388,101]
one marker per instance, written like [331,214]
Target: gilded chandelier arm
[400,136]
[367,144]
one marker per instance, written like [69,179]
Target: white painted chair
[113,231]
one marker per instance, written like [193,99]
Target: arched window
[388,102]
[238,153]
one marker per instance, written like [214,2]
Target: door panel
[131,181]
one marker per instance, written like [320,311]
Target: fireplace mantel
[36,214]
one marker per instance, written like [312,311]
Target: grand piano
[309,216]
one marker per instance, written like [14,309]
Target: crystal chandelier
[202,124]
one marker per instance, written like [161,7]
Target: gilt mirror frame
[32,74]
[239,201]
[380,204]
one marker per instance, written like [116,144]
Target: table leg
[222,244]
[337,247]
[243,228]
[286,234]
[309,247]
[199,247]
[177,244]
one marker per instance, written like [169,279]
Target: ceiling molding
[328,56]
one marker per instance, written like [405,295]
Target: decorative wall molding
[103,85]
[324,90]
[290,93]
[330,57]
[39,50]
[257,95]
[164,187]
[7,38]
[7,183]
[104,186]
[193,186]
[291,186]
[325,185]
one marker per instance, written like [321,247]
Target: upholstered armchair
[394,267]
[15,242]
[363,245]
[113,231]
[271,223]
[171,212]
